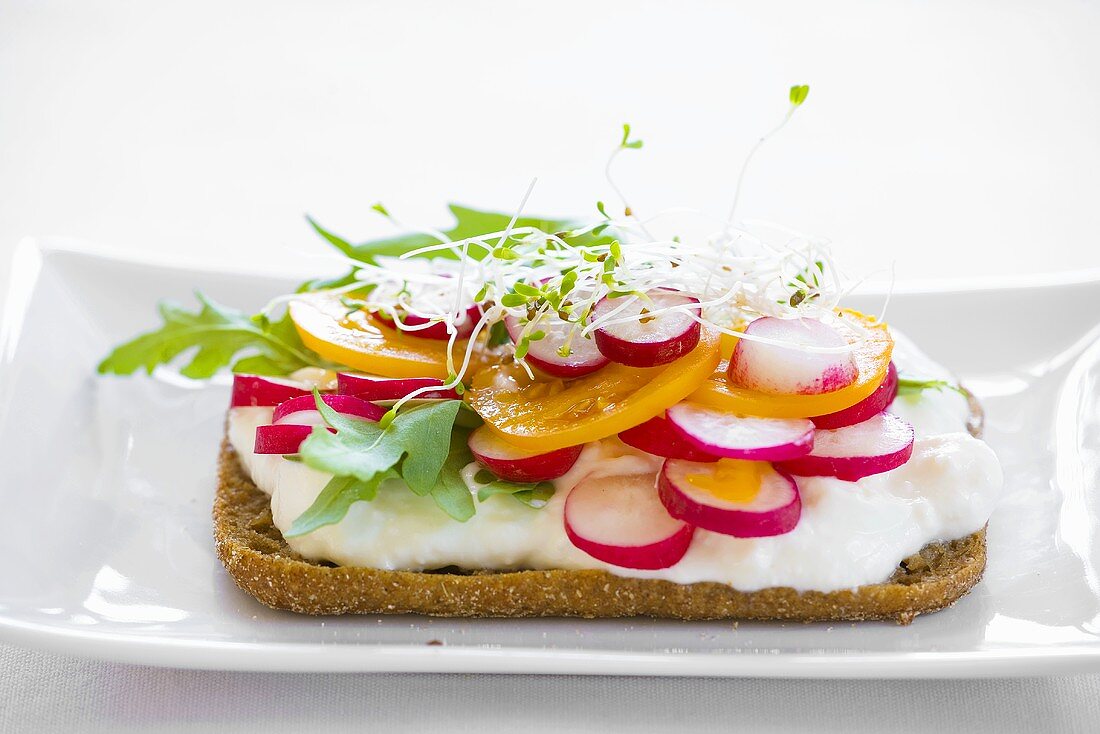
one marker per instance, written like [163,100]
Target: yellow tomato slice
[357,341]
[547,414]
[872,357]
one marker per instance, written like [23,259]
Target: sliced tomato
[872,356]
[357,341]
[547,414]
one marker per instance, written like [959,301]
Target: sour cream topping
[850,533]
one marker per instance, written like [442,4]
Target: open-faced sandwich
[523,417]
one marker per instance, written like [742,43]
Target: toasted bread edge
[262,564]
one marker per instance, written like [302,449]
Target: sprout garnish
[545,279]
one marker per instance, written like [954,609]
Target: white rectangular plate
[106,487]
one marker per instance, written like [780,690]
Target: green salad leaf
[532,495]
[450,491]
[332,504]
[224,337]
[425,446]
[361,448]
[912,386]
[422,446]
[218,334]
[469,222]
[498,334]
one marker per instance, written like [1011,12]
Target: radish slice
[620,520]
[382,388]
[736,437]
[584,356]
[517,465]
[437,330]
[255,390]
[748,500]
[657,437]
[647,342]
[346,404]
[870,406]
[782,370]
[877,445]
[281,439]
[301,418]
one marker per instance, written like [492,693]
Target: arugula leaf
[260,365]
[219,333]
[321,284]
[498,334]
[419,445]
[335,499]
[450,491]
[425,432]
[350,452]
[911,386]
[335,240]
[532,495]
[469,222]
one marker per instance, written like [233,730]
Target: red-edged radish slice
[301,418]
[584,356]
[281,439]
[745,499]
[437,330]
[621,521]
[657,437]
[515,464]
[877,445]
[870,406]
[384,388]
[346,404]
[256,390]
[647,342]
[783,370]
[718,433]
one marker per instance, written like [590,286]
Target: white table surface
[953,140]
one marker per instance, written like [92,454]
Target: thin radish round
[383,388]
[515,464]
[584,356]
[745,499]
[647,341]
[438,329]
[346,404]
[309,417]
[281,439]
[621,521]
[657,437]
[256,390]
[792,370]
[876,445]
[870,406]
[718,433]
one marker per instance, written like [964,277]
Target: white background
[955,140]
[952,138]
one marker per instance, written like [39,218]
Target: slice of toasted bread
[262,564]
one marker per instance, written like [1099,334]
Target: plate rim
[423,658]
[26,264]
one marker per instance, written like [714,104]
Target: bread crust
[259,560]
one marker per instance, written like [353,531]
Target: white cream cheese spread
[850,533]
